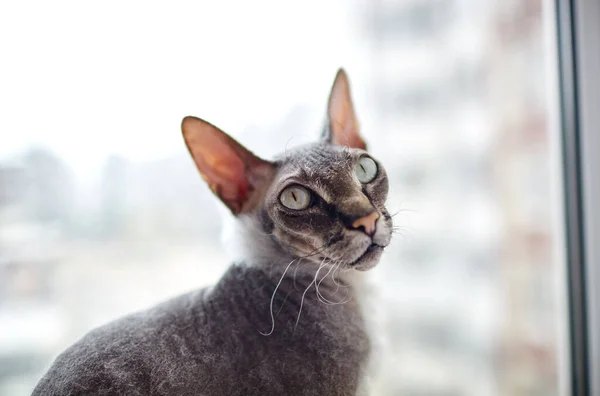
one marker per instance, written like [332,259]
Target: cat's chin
[368,259]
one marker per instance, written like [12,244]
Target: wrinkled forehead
[329,169]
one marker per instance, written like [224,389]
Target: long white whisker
[295,273]
[304,294]
[273,298]
[319,294]
[337,284]
[322,298]
[302,304]
[290,290]
[347,297]
[337,270]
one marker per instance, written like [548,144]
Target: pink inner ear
[231,171]
[218,162]
[227,178]
[344,127]
[349,137]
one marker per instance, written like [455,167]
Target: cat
[285,320]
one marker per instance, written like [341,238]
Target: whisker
[310,254]
[302,303]
[322,298]
[319,294]
[273,298]
[403,210]
[285,154]
[338,268]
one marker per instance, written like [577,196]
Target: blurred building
[29,258]
[521,163]
[64,243]
[457,94]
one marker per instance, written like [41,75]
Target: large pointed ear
[233,173]
[342,125]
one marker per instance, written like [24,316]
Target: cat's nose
[367,223]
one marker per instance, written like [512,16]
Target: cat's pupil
[294,196]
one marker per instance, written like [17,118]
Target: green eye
[366,170]
[295,198]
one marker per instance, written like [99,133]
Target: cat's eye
[295,198]
[366,170]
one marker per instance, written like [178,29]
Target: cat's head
[324,201]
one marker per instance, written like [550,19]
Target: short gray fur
[284,321]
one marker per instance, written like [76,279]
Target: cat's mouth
[372,252]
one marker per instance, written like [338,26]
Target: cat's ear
[342,125]
[232,172]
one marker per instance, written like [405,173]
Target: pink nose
[367,222]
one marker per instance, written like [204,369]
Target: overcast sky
[92,78]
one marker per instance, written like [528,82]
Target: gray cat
[287,319]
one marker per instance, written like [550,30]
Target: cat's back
[217,341]
[206,342]
[138,354]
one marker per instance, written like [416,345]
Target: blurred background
[102,211]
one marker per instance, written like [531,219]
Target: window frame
[578,23]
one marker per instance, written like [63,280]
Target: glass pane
[102,212]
